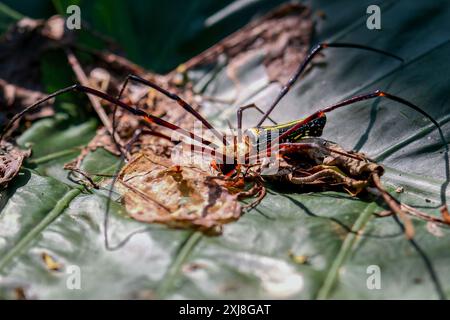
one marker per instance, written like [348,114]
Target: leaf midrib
[344,252]
[17,249]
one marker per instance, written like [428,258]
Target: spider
[246,155]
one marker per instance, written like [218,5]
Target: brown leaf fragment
[328,167]
[11,159]
[434,229]
[156,191]
[399,189]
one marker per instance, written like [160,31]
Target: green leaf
[293,245]
[7,16]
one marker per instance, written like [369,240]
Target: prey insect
[305,158]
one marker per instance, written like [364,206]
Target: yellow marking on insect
[282,126]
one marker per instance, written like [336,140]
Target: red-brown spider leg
[257,190]
[215,154]
[301,68]
[355,99]
[175,97]
[148,118]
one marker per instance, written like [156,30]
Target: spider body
[256,145]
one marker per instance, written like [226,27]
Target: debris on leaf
[154,190]
[50,262]
[193,266]
[298,259]
[144,294]
[20,294]
[399,190]
[434,229]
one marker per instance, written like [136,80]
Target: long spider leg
[213,152]
[239,114]
[186,106]
[301,68]
[358,98]
[148,118]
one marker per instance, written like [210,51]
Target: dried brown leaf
[11,159]
[155,191]
[327,167]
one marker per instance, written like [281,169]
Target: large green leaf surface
[258,256]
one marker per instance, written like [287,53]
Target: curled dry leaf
[154,190]
[326,167]
[11,159]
